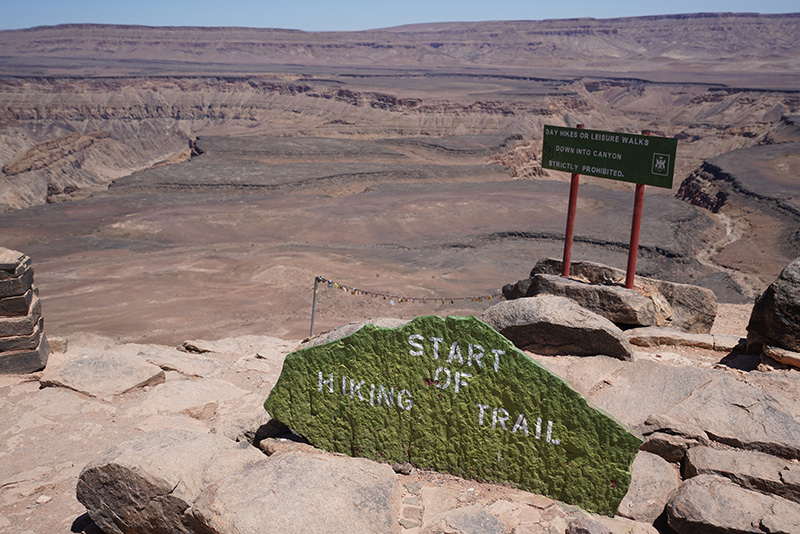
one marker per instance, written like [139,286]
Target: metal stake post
[314,306]
[636,224]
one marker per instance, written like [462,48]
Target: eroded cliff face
[753,192]
[63,138]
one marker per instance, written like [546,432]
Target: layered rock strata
[23,345]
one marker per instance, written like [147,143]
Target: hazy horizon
[349,15]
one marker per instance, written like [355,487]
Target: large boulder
[298,492]
[619,305]
[775,319]
[192,482]
[148,484]
[681,306]
[557,325]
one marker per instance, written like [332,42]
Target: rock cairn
[23,345]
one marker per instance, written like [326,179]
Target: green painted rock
[453,395]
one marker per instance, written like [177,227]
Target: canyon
[207,188]
[204,175]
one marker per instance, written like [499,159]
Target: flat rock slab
[749,469]
[241,345]
[715,505]
[629,391]
[619,305]
[557,325]
[453,395]
[17,285]
[100,374]
[25,360]
[189,365]
[10,259]
[22,325]
[17,305]
[466,520]
[670,438]
[147,484]
[741,415]
[298,492]
[659,337]
[199,399]
[786,357]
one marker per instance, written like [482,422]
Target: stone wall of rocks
[23,345]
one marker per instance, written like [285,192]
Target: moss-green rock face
[453,395]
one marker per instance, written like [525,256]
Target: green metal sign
[640,159]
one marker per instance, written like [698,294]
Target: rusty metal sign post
[640,159]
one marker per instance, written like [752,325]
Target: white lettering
[481,407]
[455,352]
[436,377]
[413,340]
[405,400]
[357,390]
[475,351]
[322,382]
[497,353]
[436,341]
[459,382]
[382,395]
[521,424]
[502,419]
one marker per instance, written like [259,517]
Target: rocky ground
[97,392]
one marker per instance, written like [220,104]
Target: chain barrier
[400,298]
[393,299]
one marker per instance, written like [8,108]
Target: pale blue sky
[332,15]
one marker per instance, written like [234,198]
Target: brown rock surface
[653,483]
[707,503]
[557,325]
[749,469]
